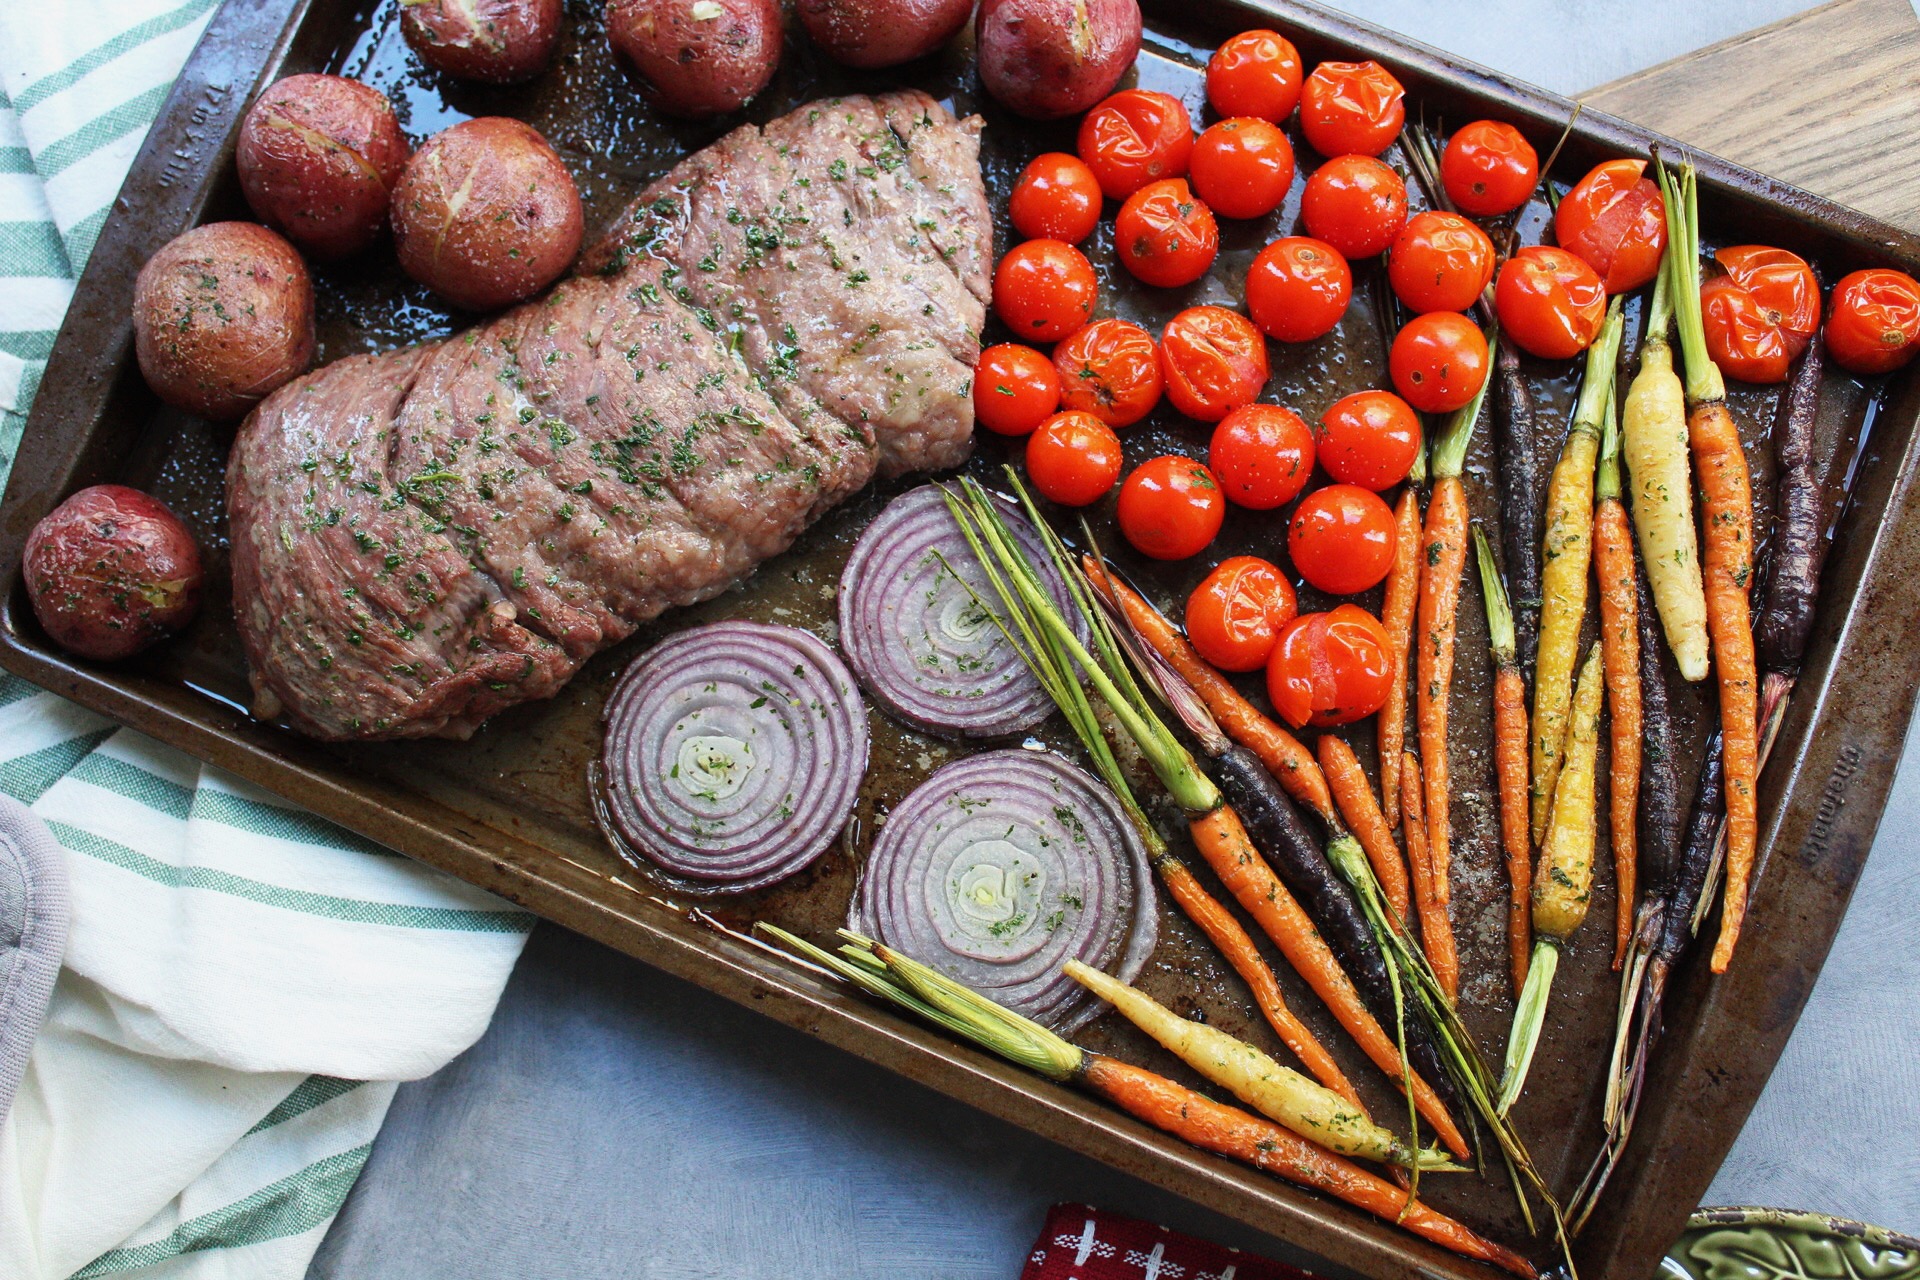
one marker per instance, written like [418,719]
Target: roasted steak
[424,537]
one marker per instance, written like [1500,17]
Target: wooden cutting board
[1828,100]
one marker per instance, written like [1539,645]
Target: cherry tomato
[1238,611]
[1759,316]
[1489,169]
[1615,221]
[1297,289]
[1874,325]
[1170,507]
[1057,198]
[1262,455]
[1257,73]
[1214,361]
[1073,459]
[1438,361]
[1440,262]
[1243,167]
[1135,137]
[1330,668]
[1549,302]
[1165,235]
[1368,439]
[1351,108]
[1111,370]
[1014,389]
[1356,204]
[1341,539]
[1044,289]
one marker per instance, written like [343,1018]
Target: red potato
[496,41]
[318,157]
[486,214]
[1045,59]
[882,33]
[222,316]
[110,571]
[698,57]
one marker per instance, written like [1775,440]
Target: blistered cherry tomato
[1213,360]
[1014,389]
[1135,137]
[1761,314]
[1549,302]
[1238,611]
[1111,370]
[1057,198]
[1262,455]
[1874,324]
[1044,289]
[1369,439]
[1330,668]
[1073,459]
[1356,204]
[1165,235]
[1243,167]
[1351,108]
[1488,169]
[1170,507]
[1438,361]
[1341,539]
[1440,262]
[1615,221]
[1257,73]
[1298,288]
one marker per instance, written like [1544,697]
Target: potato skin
[882,33]
[494,41]
[1045,59]
[698,58]
[486,214]
[222,316]
[318,156]
[110,571]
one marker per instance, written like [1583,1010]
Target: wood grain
[1828,100]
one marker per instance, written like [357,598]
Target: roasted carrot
[1436,927]
[1355,798]
[1396,614]
[1620,651]
[1509,760]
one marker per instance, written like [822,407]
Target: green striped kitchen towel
[244,982]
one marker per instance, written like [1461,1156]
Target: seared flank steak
[425,537]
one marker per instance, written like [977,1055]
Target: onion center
[712,766]
[994,892]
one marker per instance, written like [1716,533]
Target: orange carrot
[1509,758]
[1443,558]
[1620,651]
[1396,613]
[1436,928]
[1355,798]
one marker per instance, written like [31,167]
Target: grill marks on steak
[425,537]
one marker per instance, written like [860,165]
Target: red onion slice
[921,643]
[1003,866]
[733,755]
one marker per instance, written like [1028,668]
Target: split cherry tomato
[1213,360]
[1341,539]
[1236,614]
[1243,167]
[1351,108]
[1615,221]
[1262,455]
[1073,459]
[1440,262]
[1111,370]
[1057,198]
[1257,73]
[1439,361]
[1171,508]
[1368,439]
[1135,137]
[1165,235]
[1356,204]
[1330,668]
[1014,389]
[1297,289]
[1044,289]
[1874,325]
[1549,302]
[1761,314]
[1489,169]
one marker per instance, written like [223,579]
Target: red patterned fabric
[1082,1243]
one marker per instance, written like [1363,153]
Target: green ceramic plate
[1779,1244]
